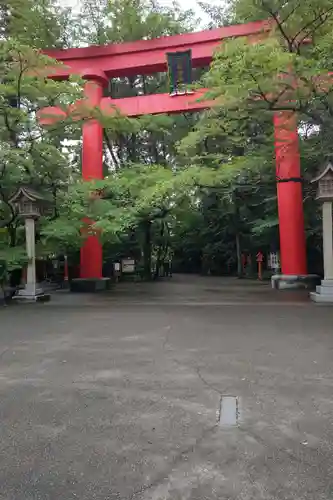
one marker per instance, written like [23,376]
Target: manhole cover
[229,411]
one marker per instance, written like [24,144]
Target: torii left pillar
[91,261]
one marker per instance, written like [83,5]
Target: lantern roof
[323,171]
[28,192]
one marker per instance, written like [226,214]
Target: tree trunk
[239,256]
[147,250]
[237,236]
[160,253]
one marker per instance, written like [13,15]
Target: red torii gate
[97,64]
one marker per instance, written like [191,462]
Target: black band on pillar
[289,179]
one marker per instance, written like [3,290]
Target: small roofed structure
[324,181]
[29,203]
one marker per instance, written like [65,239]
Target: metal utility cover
[229,410]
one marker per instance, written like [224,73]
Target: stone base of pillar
[295,282]
[323,293]
[26,295]
[89,285]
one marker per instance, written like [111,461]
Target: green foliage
[130,20]
[37,23]
[130,196]
[247,83]
[28,154]
[12,258]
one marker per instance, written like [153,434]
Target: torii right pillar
[294,272]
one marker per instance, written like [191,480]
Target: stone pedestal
[31,292]
[26,295]
[295,282]
[324,292]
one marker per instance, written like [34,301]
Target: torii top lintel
[149,56]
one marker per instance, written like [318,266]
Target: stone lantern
[324,181]
[30,205]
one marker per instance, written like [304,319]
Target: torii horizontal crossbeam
[137,106]
[149,56]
